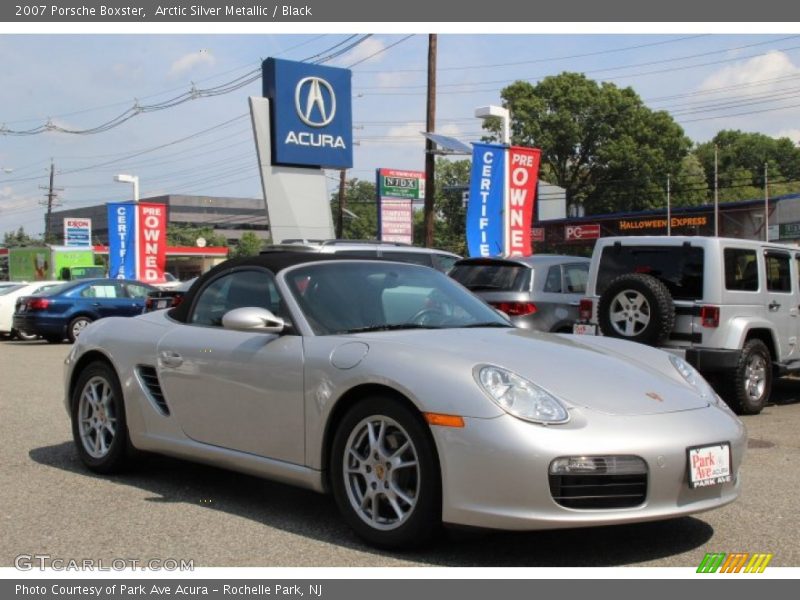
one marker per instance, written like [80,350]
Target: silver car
[406,397]
[540,292]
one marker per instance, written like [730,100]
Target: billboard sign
[152,242]
[77,232]
[401,184]
[122,240]
[397,221]
[311,114]
[574,233]
[485,222]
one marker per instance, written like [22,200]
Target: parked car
[539,292]
[441,260]
[170,282]
[8,299]
[407,397]
[65,310]
[729,306]
[160,299]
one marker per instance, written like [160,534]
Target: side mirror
[252,318]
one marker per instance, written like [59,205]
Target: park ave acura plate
[709,465]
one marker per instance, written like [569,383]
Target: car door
[104,299]
[137,294]
[236,389]
[782,309]
[558,300]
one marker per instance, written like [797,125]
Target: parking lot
[167,508]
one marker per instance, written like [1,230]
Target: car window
[741,269]
[575,278]
[103,290]
[553,282]
[137,291]
[779,278]
[680,268]
[7,289]
[444,262]
[492,276]
[250,287]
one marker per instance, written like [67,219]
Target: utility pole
[430,126]
[766,202]
[51,196]
[340,224]
[669,209]
[716,190]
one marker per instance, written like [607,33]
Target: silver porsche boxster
[408,398]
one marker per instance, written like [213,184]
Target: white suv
[729,306]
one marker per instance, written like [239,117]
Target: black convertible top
[272,261]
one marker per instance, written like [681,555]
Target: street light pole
[123,178]
[484,112]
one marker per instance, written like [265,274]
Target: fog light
[598,465]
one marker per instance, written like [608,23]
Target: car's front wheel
[99,428]
[385,475]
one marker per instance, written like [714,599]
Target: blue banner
[122,240]
[485,208]
[311,114]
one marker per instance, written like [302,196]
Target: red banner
[152,242]
[523,175]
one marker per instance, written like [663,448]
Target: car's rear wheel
[384,474]
[99,428]
[752,382]
[638,308]
[76,326]
[25,337]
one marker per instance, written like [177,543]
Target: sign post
[396,191]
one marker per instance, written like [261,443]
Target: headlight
[520,397]
[693,378]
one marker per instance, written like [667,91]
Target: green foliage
[362,222]
[599,142]
[20,238]
[184,235]
[249,245]
[741,159]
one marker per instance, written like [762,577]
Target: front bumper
[495,471]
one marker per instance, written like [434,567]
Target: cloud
[772,65]
[363,51]
[189,62]
[792,134]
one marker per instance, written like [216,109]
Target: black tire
[25,337]
[105,451]
[383,526]
[644,307]
[749,389]
[76,326]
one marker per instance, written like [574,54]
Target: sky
[204,146]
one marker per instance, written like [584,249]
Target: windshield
[492,275]
[350,297]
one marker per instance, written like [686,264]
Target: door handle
[170,358]
[774,305]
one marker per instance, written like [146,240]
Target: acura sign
[311,116]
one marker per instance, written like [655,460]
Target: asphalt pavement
[170,509]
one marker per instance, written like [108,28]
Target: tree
[741,159]
[361,220]
[450,215]
[20,238]
[249,245]
[599,142]
[689,187]
[186,235]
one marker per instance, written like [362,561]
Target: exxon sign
[311,115]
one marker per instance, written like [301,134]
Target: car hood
[602,374]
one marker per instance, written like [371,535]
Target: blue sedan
[65,310]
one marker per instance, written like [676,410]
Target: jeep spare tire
[638,308]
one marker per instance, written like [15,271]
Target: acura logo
[317,110]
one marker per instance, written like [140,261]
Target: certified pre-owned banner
[122,240]
[152,237]
[486,201]
[523,175]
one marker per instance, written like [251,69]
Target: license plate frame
[584,329]
[709,465]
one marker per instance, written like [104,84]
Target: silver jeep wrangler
[729,306]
